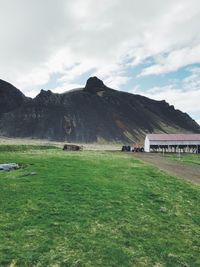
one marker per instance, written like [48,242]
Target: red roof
[174,137]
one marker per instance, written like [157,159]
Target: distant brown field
[29,141]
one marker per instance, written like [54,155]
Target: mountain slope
[10,97]
[90,114]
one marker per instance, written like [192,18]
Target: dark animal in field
[72,147]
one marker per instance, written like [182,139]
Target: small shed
[172,143]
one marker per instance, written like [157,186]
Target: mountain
[10,97]
[90,114]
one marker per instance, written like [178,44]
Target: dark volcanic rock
[10,97]
[94,85]
[93,113]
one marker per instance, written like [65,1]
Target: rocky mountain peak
[46,97]
[94,84]
[44,93]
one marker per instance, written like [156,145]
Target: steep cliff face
[90,114]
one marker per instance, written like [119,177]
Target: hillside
[90,114]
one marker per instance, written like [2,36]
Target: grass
[185,158]
[95,209]
[25,148]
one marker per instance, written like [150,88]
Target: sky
[144,47]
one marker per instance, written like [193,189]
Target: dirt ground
[182,170]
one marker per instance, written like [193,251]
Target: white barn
[172,142]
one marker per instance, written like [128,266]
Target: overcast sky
[145,47]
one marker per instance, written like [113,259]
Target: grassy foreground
[95,209]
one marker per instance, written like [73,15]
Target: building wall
[146,144]
[168,143]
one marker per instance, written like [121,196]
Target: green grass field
[185,158]
[93,209]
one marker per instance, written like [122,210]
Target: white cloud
[76,71]
[193,80]
[186,99]
[67,87]
[174,60]
[116,81]
[41,38]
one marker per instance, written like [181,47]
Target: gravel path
[180,169]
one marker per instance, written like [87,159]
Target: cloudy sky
[145,47]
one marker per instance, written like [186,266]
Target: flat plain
[94,208]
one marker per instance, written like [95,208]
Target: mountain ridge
[90,114]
